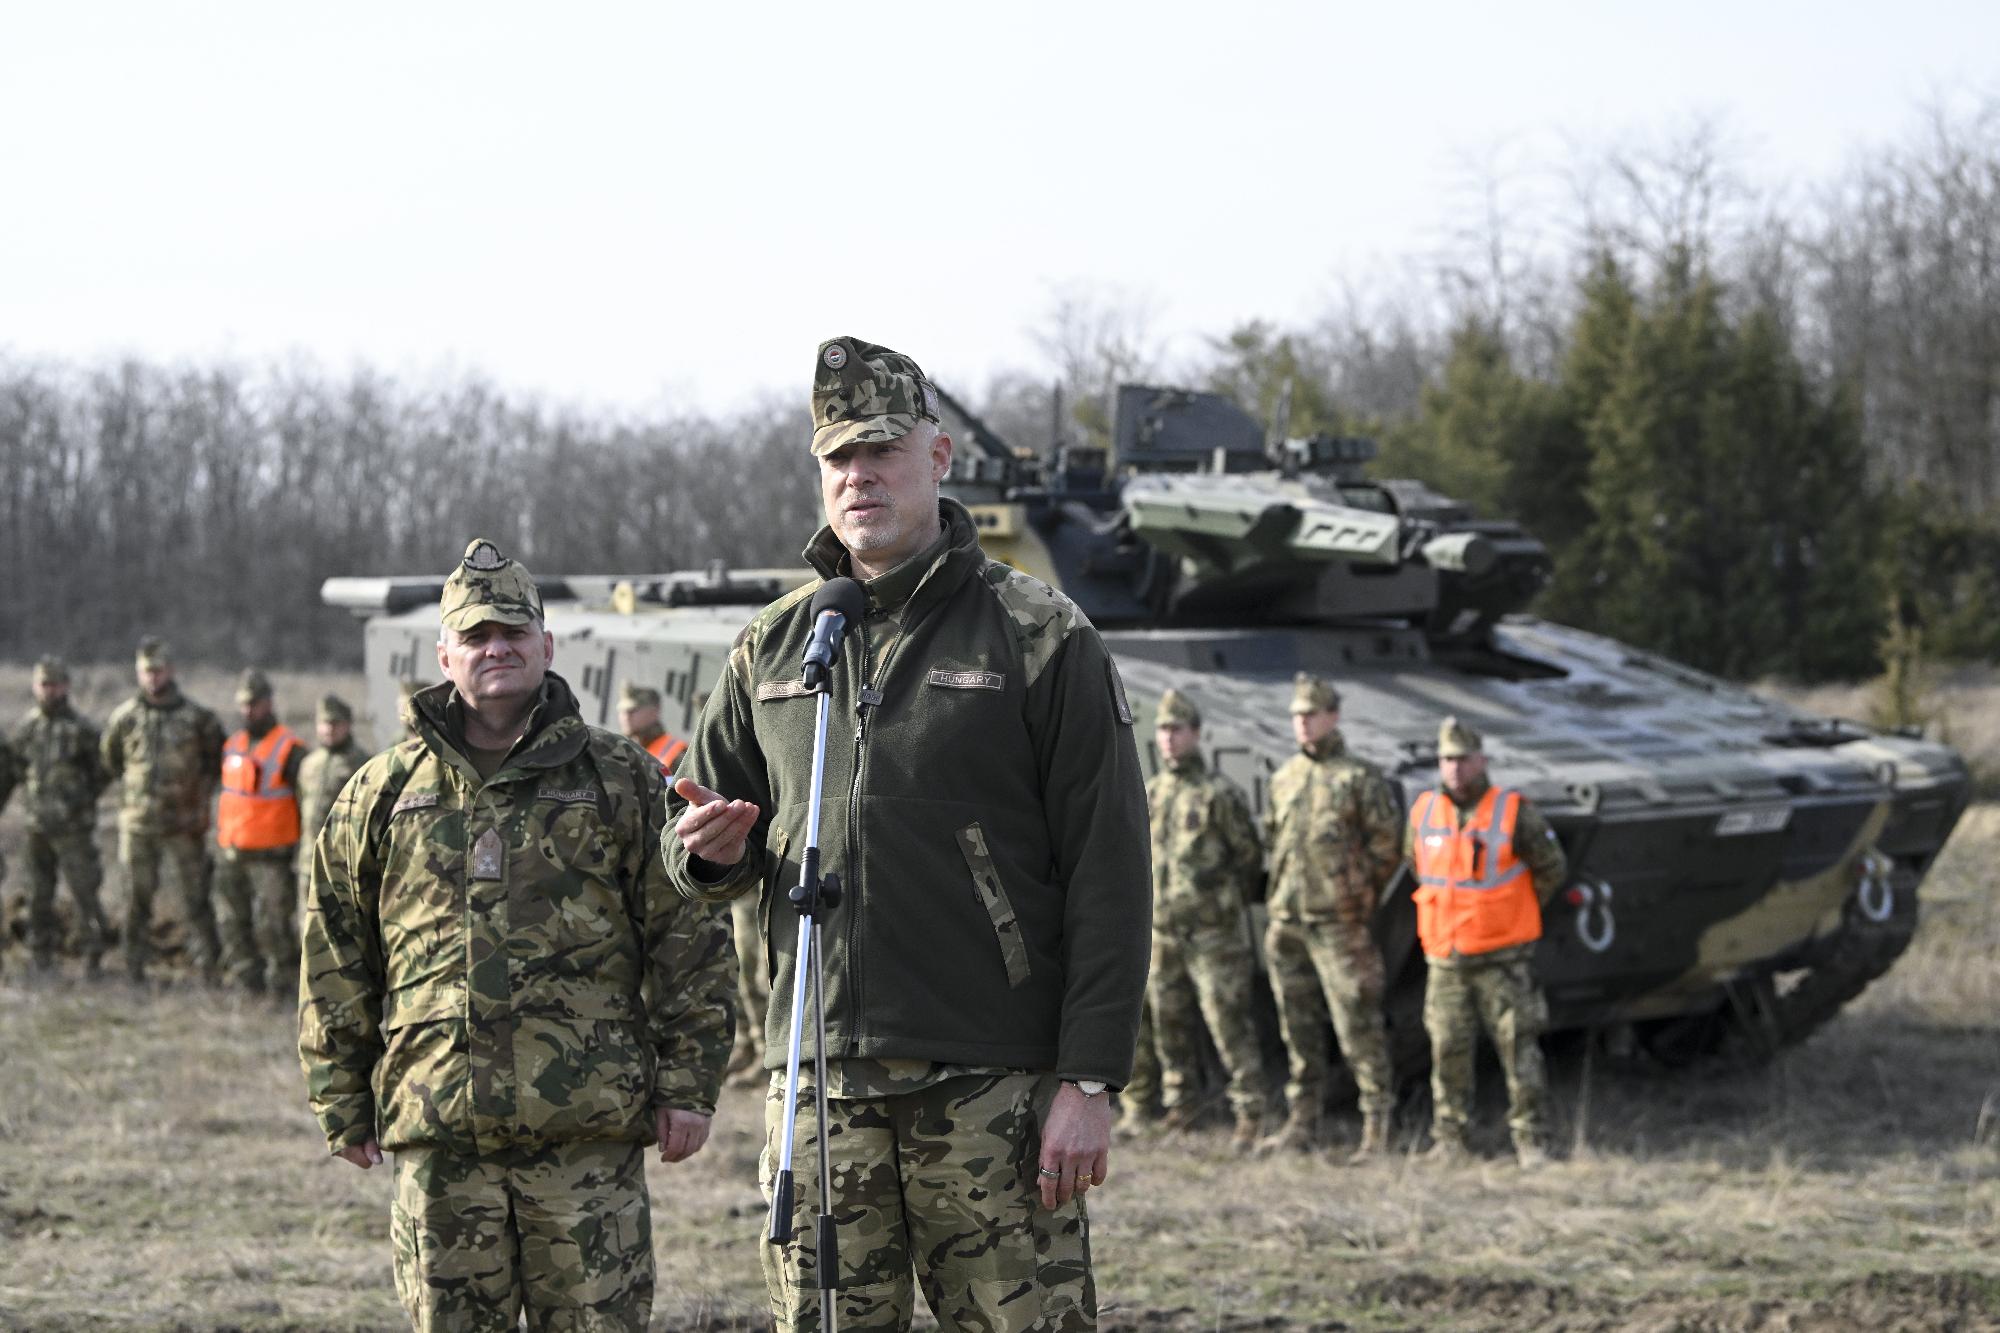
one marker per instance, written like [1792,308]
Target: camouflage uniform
[166,757]
[10,775]
[1138,1100]
[986,815]
[256,887]
[321,776]
[1496,991]
[500,986]
[1333,830]
[58,748]
[1206,860]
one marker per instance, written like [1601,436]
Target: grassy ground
[158,1170]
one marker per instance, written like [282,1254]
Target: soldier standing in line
[1333,830]
[257,836]
[1206,861]
[1486,863]
[501,988]
[58,749]
[10,775]
[323,772]
[987,961]
[165,752]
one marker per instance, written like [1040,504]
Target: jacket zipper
[851,890]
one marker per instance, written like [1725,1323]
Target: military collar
[556,732]
[1191,767]
[932,572]
[61,708]
[1329,746]
[172,699]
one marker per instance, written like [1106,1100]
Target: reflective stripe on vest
[259,812]
[1474,895]
[667,750]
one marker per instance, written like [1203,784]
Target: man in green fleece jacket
[984,809]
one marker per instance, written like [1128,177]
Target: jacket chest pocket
[963,706]
[424,867]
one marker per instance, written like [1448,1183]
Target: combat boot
[1181,1118]
[1135,1120]
[1249,1129]
[1374,1137]
[1529,1154]
[1448,1147]
[1299,1133]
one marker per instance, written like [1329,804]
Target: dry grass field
[158,1170]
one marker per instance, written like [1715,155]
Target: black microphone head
[842,595]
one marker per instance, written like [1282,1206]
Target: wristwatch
[1089,1087]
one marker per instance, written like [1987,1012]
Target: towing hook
[1875,894]
[1595,925]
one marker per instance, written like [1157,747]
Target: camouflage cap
[634,695]
[333,708]
[1176,707]
[153,653]
[52,669]
[1456,739]
[1310,694]
[489,586]
[864,393]
[253,684]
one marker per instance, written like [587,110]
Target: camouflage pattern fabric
[61,768]
[1321,970]
[167,760]
[1496,992]
[74,856]
[941,1182]
[502,963]
[322,774]
[1206,858]
[562,1233]
[488,585]
[259,898]
[1139,1098]
[753,983]
[863,394]
[181,858]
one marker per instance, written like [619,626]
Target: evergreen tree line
[1760,440]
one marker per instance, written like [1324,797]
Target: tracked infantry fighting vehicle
[1739,869]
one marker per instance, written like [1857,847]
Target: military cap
[252,685]
[634,695]
[153,652]
[488,585]
[333,708]
[1455,739]
[1176,707]
[864,394]
[52,669]
[1310,694]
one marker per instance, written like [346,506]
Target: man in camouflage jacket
[58,751]
[324,772]
[1206,863]
[1335,841]
[984,810]
[500,986]
[165,753]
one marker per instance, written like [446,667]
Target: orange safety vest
[667,750]
[259,812]
[1474,895]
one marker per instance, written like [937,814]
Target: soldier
[10,776]
[165,752]
[1486,863]
[324,772]
[1332,829]
[257,834]
[987,961]
[1206,862]
[58,748]
[501,987]
[639,718]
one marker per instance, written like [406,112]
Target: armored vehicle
[1739,869]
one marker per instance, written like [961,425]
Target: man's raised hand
[713,828]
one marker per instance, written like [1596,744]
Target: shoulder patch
[1042,617]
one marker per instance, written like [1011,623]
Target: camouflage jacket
[503,963]
[321,776]
[10,771]
[983,807]
[64,771]
[1335,835]
[1206,854]
[167,760]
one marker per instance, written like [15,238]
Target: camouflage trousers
[942,1180]
[1205,975]
[753,984]
[1317,966]
[1501,995]
[563,1232]
[259,898]
[74,855]
[184,857]
[1142,1090]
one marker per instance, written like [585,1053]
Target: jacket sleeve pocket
[986,883]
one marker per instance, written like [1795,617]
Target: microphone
[837,604]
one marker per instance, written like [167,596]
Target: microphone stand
[812,897]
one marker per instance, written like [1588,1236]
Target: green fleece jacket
[983,807]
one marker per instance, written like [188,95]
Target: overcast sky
[671,204]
